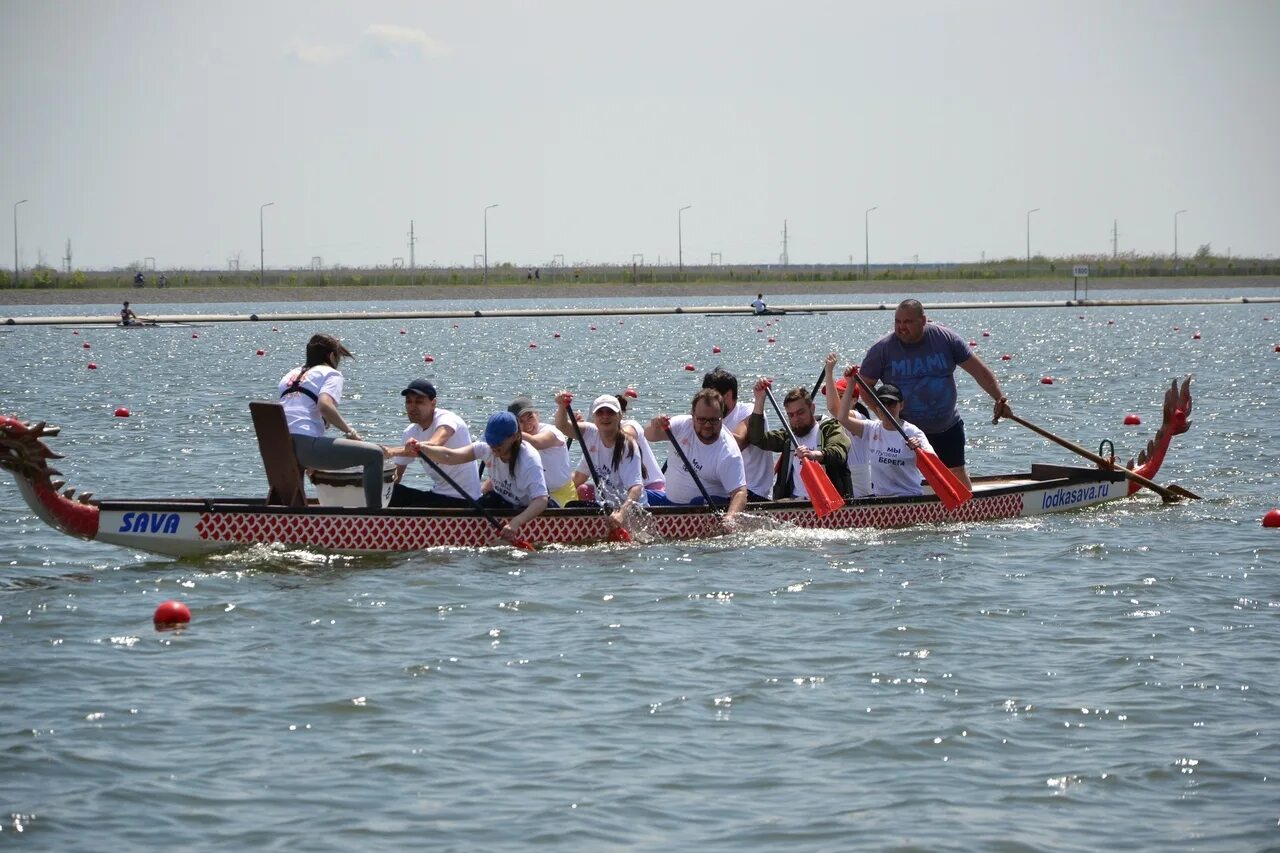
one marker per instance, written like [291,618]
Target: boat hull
[192,527]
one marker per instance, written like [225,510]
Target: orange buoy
[690,367]
[1006,357]
[1272,518]
[1132,420]
[170,614]
[1047,380]
[93,366]
[122,412]
[715,349]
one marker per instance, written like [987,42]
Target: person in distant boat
[650,471]
[127,317]
[431,424]
[859,470]
[758,304]
[712,451]
[551,444]
[613,453]
[894,472]
[310,395]
[757,461]
[822,441]
[921,358]
[515,470]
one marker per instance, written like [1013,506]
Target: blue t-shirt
[924,372]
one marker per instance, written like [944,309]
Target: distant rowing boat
[159,324]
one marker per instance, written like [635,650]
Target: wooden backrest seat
[284,475]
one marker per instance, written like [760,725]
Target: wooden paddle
[945,484]
[617,534]
[521,543]
[1168,495]
[822,492]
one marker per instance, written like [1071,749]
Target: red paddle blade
[945,484]
[822,492]
[619,534]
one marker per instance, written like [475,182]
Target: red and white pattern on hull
[351,532]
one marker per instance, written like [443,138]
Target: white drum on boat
[345,487]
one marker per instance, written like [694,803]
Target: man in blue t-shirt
[921,358]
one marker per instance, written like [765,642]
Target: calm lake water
[1089,679]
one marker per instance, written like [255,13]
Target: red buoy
[428,358]
[973,343]
[715,349]
[262,352]
[1272,518]
[772,339]
[170,614]
[86,345]
[532,345]
[1111,322]
[77,331]
[1177,328]
[690,367]
[274,329]
[593,328]
[1132,420]
[1196,336]
[1006,357]
[758,329]
[630,392]
[122,412]
[1277,347]
[986,334]
[403,332]
[556,335]
[456,326]
[194,335]
[1048,380]
[92,366]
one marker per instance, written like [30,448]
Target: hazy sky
[157,129]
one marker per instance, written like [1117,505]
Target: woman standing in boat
[310,395]
[515,470]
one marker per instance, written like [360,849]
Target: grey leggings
[334,453]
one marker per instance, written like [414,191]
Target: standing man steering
[921,358]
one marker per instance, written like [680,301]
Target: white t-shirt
[652,472]
[859,470]
[756,461]
[810,441]
[893,464]
[529,482]
[617,482]
[302,412]
[555,460]
[758,305]
[464,475]
[719,464]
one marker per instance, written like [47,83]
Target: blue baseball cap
[500,427]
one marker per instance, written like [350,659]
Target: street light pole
[15,241]
[680,235]
[486,243]
[1029,212]
[1176,214]
[866,236]
[262,252]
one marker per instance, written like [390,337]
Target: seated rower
[821,441]
[433,425]
[758,306]
[650,470]
[711,450]
[515,470]
[551,444]
[127,317]
[613,454]
[894,472]
[859,470]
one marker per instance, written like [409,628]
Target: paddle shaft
[497,525]
[1168,495]
[688,466]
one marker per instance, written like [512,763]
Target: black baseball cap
[420,386]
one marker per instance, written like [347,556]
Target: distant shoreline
[790,292]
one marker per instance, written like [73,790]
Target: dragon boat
[182,527]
